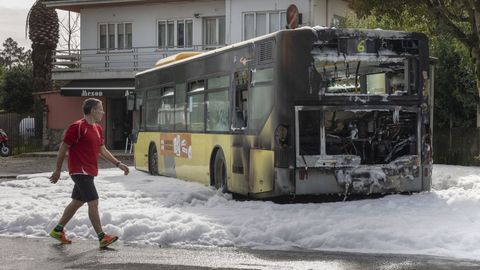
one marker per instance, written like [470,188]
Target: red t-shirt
[85,141]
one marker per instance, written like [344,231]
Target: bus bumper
[334,176]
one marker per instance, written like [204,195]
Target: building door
[118,123]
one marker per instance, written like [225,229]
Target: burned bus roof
[321,34]
[326,33]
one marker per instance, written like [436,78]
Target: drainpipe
[310,13]
[326,13]
[229,39]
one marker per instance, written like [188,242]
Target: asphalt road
[10,167]
[43,253]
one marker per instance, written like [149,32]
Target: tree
[43,32]
[459,19]
[70,32]
[12,55]
[455,93]
[16,90]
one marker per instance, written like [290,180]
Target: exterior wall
[145,16]
[144,19]
[238,7]
[314,12]
[325,10]
[62,111]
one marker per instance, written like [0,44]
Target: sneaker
[60,236]
[107,240]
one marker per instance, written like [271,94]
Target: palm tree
[43,31]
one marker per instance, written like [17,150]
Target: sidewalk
[39,162]
[117,153]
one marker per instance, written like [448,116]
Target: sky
[165,211]
[13,16]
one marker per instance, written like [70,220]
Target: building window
[256,24]
[338,21]
[175,33]
[214,32]
[115,36]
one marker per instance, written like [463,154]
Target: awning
[98,88]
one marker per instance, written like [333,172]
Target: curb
[54,154]
[8,176]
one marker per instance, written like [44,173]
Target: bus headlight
[281,135]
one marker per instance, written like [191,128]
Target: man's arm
[108,156]
[62,151]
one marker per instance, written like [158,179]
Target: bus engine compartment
[366,150]
[376,137]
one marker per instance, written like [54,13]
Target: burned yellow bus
[309,111]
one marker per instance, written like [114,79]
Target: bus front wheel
[220,171]
[153,160]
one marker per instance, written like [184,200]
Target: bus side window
[196,106]
[180,106]
[241,79]
[139,111]
[166,109]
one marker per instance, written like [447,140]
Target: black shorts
[84,189]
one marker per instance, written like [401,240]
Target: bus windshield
[382,73]
[371,76]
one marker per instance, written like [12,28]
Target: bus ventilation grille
[265,52]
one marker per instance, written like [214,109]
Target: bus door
[240,144]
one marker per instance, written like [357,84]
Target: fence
[456,146]
[24,131]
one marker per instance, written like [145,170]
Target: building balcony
[87,64]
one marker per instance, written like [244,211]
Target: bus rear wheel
[153,160]
[220,171]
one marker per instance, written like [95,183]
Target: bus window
[309,132]
[180,107]
[218,104]
[196,106]
[262,75]
[376,83]
[218,82]
[384,76]
[139,119]
[152,106]
[261,102]
[241,82]
[165,112]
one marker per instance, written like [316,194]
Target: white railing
[134,59]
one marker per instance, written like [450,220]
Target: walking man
[84,142]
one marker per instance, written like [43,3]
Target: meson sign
[86,93]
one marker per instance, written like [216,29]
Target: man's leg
[69,211]
[94,216]
[105,239]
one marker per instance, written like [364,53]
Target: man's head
[93,108]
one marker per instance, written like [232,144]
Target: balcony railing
[128,60]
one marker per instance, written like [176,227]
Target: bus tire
[153,160]
[220,171]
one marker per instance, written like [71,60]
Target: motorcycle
[5,150]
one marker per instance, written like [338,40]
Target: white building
[118,38]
